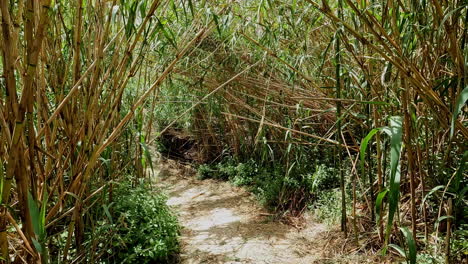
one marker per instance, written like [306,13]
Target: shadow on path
[224,224]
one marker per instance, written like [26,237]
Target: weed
[327,206]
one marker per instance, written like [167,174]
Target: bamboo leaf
[191,7]
[174,9]
[35,214]
[37,245]
[448,15]
[108,214]
[461,101]
[444,217]
[142,8]
[166,34]
[411,244]
[400,250]
[215,19]
[378,204]
[435,189]
[147,155]
[43,215]
[394,191]
[363,147]
[131,19]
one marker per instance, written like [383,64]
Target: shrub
[145,229]
[205,171]
[274,188]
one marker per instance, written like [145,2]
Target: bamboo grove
[379,86]
[66,67]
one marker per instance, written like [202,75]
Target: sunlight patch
[217,217]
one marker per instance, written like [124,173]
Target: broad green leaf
[38,246]
[35,214]
[394,191]
[363,147]
[461,101]
[398,249]
[378,204]
[108,214]
[411,244]
[43,215]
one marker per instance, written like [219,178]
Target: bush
[275,189]
[145,229]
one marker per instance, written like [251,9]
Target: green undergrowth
[138,227]
[326,207]
[283,191]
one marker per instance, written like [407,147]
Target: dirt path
[224,224]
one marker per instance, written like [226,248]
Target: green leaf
[435,189]
[38,246]
[444,217]
[191,7]
[398,249]
[448,15]
[108,214]
[43,215]
[378,204]
[147,155]
[35,214]
[131,20]
[395,133]
[461,101]
[174,9]
[167,35]
[411,244]
[142,8]
[363,147]
[215,18]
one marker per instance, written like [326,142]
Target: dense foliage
[144,229]
[282,193]
[375,90]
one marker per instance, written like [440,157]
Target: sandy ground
[225,224]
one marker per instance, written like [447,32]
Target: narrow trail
[224,224]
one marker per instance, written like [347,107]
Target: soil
[225,224]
